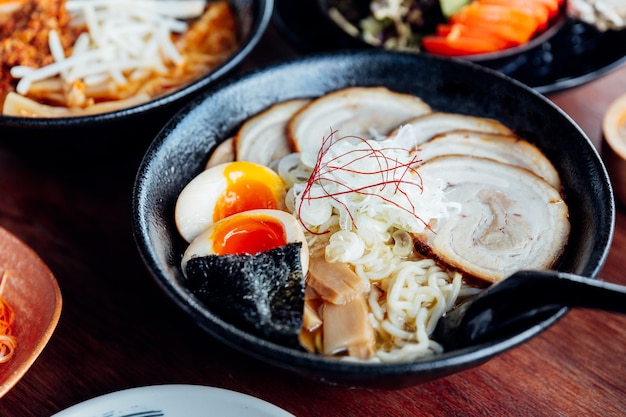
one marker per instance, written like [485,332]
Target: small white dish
[174,400]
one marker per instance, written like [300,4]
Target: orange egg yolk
[248,235]
[248,186]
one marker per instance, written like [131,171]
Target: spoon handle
[523,300]
[575,291]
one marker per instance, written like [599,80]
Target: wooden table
[118,330]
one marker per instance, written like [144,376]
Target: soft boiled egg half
[249,232]
[223,190]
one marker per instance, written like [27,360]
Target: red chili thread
[387,168]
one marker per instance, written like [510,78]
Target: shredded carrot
[8,341]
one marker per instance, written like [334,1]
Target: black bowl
[180,151]
[494,60]
[116,133]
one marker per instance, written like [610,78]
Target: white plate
[174,401]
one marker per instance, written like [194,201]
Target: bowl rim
[250,41]
[319,366]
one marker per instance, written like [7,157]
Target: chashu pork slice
[262,138]
[427,126]
[510,219]
[224,152]
[367,112]
[505,148]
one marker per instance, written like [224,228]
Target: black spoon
[520,301]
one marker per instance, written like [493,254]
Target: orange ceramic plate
[34,294]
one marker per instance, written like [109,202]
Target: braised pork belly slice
[334,282]
[507,148]
[262,138]
[224,152]
[357,111]
[429,125]
[510,219]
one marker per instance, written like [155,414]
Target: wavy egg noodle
[406,294]
[417,294]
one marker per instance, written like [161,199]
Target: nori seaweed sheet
[262,293]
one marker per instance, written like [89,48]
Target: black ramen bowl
[116,133]
[180,152]
[494,60]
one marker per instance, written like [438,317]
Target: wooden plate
[33,293]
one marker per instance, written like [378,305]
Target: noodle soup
[63,58]
[397,228]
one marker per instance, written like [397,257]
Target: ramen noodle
[407,293]
[76,57]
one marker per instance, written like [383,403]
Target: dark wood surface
[118,330]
